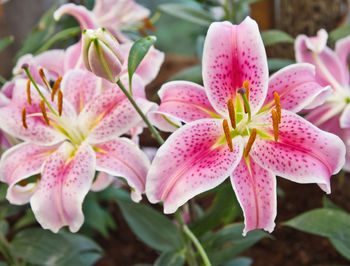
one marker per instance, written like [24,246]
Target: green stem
[5,250]
[137,108]
[198,245]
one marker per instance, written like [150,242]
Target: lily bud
[102,54]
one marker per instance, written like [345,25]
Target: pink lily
[221,139]
[66,141]
[331,69]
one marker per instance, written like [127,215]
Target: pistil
[243,93]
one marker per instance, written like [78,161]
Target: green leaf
[191,13]
[193,73]
[339,33]
[240,261]
[41,247]
[278,63]
[276,36]
[225,244]
[4,42]
[331,223]
[327,203]
[4,227]
[153,228]
[223,210]
[27,219]
[171,258]
[137,52]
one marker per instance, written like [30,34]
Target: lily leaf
[276,36]
[339,33]
[193,73]
[4,42]
[171,258]
[278,63]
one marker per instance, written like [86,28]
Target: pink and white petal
[231,55]
[72,57]
[138,85]
[329,70]
[121,157]
[86,18]
[118,120]
[317,43]
[303,153]
[342,49]
[103,180]
[255,189]
[297,87]
[17,164]
[52,61]
[346,138]
[66,178]
[181,100]
[345,117]
[322,115]
[190,162]
[4,100]
[24,59]
[79,87]
[7,88]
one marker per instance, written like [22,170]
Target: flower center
[243,123]
[52,117]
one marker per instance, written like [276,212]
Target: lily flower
[242,125]
[70,131]
[331,69]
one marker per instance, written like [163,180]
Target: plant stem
[137,108]
[198,245]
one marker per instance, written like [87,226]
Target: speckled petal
[18,163]
[342,49]
[231,55]
[182,100]
[297,87]
[191,162]
[66,178]
[303,153]
[52,61]
[72,57]
[122,158]
[255,189]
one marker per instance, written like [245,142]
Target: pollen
[250,142]
[60,102]
[232,113]
[275,124]
[29,98]
[44,79]
[278,105]
[227,134]
[43,110]
[24,118]
[246,86]
[55,87]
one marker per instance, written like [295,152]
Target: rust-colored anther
[250,142]
[148,25]
[43,111]
[246,86]
[23,183]
[278,106]
[275,124]
[227,134]
[43,77]
[29,98]
[142,32]
[60,102]
[24,118]
[232,113]
[55,87]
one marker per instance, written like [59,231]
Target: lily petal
[297,87]
[122,158]
[255,188]
[182,100]
[303,153]
[103,180]
[66,178]
[342,49]
[231,55]
[345,117]
[190,162]
[17,164]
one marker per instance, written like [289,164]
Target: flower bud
[102,54]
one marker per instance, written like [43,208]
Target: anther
[44,79]
[148,24]
[246,86]
[227,134]
[43,110]
[278,106]
[275,124]
[24,118]
[60,102]
[232,113]
[29,98]
[250,142]
[55,87]
[23,183]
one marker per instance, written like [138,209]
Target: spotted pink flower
[66,141]
[236,127]
[331,69]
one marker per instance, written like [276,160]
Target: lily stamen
[55,87]
[44,79]
[60,102]
[232,113]
[227,134]
[278,106]
[29,98]
[43,110]
[275,124]
[243,93]
[24,118]
[250,142]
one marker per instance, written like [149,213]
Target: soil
[288,246]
